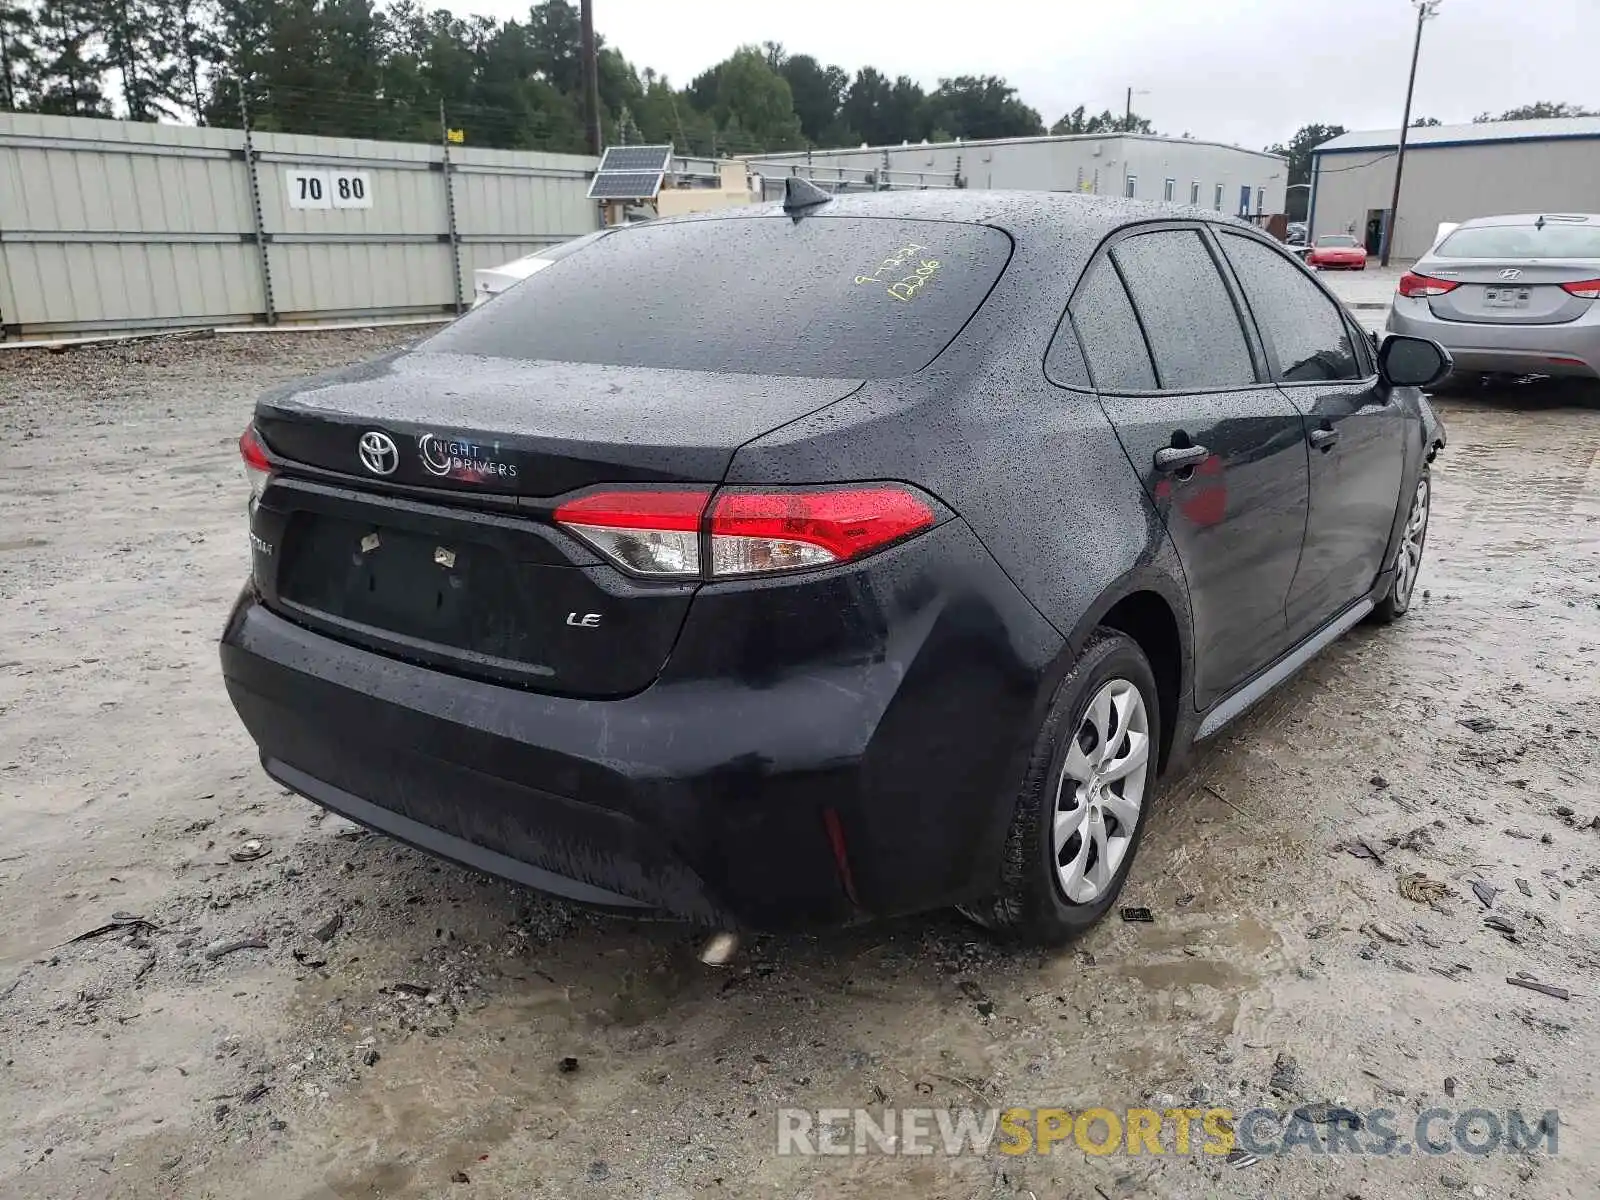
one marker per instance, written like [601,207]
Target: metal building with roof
[1453,173]
[1214,175]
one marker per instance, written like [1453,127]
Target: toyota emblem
[1511,273]
[378,452]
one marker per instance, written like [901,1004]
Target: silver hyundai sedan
[1509,294]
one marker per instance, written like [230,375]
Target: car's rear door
[1219,449]
[1355,432]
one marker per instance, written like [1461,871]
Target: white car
[489,282]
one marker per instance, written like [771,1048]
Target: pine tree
[403,41]
[189,29]
[138,51]
[555,31]
[243,30]
[72,60]
[351,58]
[17,59]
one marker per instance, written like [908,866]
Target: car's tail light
[648,532]
[753,532]
[1588,289]
[257,468]
[749,532]
[1412,284]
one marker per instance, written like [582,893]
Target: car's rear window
[1336,239]
[1553,240]
[827,297]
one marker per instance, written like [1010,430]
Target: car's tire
[1110,688]
[1396,601]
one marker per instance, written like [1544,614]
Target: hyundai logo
[1511,273]
[378,452]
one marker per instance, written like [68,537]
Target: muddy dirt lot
[398,1027]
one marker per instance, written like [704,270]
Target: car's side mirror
[1405,361]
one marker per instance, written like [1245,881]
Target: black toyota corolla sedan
[826,560]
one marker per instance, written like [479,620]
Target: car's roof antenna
[801,194]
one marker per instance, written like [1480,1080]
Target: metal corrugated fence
[115,225]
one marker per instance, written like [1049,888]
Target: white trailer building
[1453,173]
[1211,175]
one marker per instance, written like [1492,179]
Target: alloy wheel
[1411,544]
[1100,792]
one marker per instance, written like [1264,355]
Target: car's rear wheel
[1408,562]
[1080,814]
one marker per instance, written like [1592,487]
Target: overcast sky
[1245,71]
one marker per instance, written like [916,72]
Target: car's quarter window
[1188,316]
[1301,326]
[822,297]
[1109,333]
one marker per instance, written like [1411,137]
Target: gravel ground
[342,1017]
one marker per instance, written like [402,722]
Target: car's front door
[1355,432]
[1220,451]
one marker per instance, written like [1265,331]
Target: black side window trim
[1065,351]
[1138,317]
[1103,256]
[1274,365]
[1242,314]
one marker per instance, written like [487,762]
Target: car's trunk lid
[1510,292]
[440,549]
[513,427]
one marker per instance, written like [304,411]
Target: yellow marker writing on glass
[905,289]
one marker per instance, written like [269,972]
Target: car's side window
[1109,333]
[1303,327]
[1188,315]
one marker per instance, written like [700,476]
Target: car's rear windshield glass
[1554,240]
[827,297]
[1336,239]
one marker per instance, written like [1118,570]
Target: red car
[1337,251]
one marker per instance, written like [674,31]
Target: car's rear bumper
[859,762]
[1572,348]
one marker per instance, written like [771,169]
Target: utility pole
[1425,9]
[1127,110]
[591,78]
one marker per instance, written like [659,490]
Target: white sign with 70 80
[328,189]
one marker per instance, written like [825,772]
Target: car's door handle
[1180,458]
[1323,439]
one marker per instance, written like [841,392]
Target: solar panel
[625,185]
[636,158]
